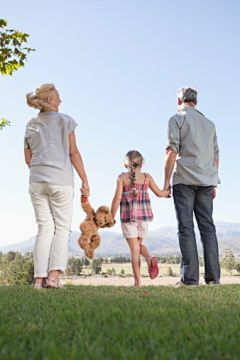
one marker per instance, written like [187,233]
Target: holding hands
[167,187]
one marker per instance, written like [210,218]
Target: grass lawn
[120,323]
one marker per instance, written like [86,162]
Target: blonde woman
[50,151]
[135,210]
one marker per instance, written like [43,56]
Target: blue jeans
[189,199]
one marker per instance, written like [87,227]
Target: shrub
[69,283]
[229,260]
[109,272]
[96,266]
[237,266]
[169,272]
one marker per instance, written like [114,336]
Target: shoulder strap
[146,177]
[127,175]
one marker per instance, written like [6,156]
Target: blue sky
[117,66]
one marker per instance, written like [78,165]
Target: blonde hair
[132,160]
[39,99]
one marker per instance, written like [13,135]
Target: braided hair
[132,160]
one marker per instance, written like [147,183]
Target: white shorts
[135,229]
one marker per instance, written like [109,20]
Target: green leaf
[3,23]
[4,123]
[12,55]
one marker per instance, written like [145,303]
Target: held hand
[85,189]
[170,192]
[214,193]
[167,187]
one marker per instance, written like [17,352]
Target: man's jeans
[197,199]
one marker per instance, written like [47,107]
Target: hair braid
[132,176]
[133,159]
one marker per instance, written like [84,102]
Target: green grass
[103,322]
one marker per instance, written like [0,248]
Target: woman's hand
[28,156]
[85,189]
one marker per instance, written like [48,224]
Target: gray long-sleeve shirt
[194,139]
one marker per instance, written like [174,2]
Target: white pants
[53,210]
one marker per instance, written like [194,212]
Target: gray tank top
[47,137]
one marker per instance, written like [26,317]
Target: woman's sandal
[153,268]
[38,286]
[60,286]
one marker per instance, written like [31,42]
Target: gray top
[47,137]
[194,139]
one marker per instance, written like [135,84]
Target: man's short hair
[187,95]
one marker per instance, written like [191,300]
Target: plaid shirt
[135,209]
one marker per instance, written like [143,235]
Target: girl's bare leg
[135,257]
[144,252]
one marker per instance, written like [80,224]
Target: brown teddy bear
[89,227]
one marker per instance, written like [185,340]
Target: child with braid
[135,211]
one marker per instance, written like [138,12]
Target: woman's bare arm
[156,190]
[117,197]
[28,156]
[77,162]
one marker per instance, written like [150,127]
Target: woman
[50,151]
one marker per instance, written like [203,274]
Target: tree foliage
[74,266]
[4,123]
[120,259]
[12,53]
[229,260]
[169,271]
[169,259]
[237,266]
[16,269]
[96,266]
[11,255]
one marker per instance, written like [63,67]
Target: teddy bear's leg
[85,235]
[89,253]
[94,242]
[83,242]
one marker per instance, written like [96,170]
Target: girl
[135,211]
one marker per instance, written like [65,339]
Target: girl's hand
[85,189]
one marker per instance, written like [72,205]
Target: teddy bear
[89,239]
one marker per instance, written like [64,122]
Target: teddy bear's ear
[104,209]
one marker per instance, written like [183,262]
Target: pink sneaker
[153,268]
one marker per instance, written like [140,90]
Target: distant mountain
[227,230]
[161,241]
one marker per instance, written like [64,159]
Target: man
[192,147]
